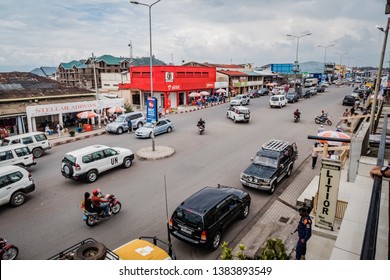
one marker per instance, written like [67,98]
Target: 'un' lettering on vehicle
[114,161]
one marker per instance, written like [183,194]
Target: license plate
[186,230]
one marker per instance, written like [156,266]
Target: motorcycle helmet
[96,192]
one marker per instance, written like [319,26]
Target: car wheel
[216,241]
[150,135]
[17,199]
[245,212]
[38,152]
[273,187]
[68,169]
[227,115]
[169,129]
[127,162]
[92,176]
[91,251]
[235,119]
[140,124]
[119,130]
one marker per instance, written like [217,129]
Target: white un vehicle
[87,163]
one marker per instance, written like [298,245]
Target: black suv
[203,217]
[274,161]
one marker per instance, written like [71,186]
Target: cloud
[41,33]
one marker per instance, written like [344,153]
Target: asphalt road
[51,218]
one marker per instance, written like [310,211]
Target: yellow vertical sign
[328,191]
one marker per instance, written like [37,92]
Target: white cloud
[46,33]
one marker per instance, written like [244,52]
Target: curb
[73,139]
[160,152]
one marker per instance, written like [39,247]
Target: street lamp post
[326,48]
[150,53]
[378,79]
[150,39]
[296,69]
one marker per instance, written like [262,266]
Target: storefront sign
[328,190]
[151,109]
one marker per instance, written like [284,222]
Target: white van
[15,183]
[277,101]
[17,154]
[36,141]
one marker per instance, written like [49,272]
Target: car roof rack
[275,145]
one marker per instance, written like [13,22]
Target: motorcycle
[201,129]
[297,118]
[322,120]
[114,206]
[8,252]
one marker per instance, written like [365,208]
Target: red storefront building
[171,84]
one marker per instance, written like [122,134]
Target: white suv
[90,161]
[36,141]
[277,101]
[240,99]
[15,183]
[238,114]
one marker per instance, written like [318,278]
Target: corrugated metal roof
[252,73]
[233,73]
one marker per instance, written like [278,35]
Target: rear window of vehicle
[274,98]
[70,159]
[22,151]
[188,218]
[40,137]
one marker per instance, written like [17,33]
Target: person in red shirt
[100,202]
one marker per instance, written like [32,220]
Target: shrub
[273,250]
[72,133]
[227,252]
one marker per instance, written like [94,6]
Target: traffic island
[159,152]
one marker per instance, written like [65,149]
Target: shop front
[171,84]
[66,113]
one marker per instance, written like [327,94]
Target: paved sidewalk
[65,138]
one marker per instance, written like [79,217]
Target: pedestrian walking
[314,156]
[129,127]
[345,115]
[59,129]
[304,233]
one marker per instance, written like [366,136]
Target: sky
[47,33]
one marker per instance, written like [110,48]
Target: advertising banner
[328,191]
[151,109]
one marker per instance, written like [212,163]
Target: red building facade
[171,84]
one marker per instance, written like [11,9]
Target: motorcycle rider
[324,115]
[99,202]
[297,114]
[201,123]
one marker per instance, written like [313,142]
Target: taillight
[77,166]
[203,236]
[170,224]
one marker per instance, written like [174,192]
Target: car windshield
[238,97]
[266,161]
[189,218]
[120,119]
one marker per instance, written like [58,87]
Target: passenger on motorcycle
[87,203]
[99,202]
[297,114]
[201,122]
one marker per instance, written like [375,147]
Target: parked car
[120,124]
[292,97]
[253,93]
[320,88]
[15,183]
[87,163]
[264,91]
[162,126]
[306,94]
[349,100]
[313,91]
[274,161]
[37,142]
[17,154]
[277,101]
[202,218]
[240,99]
[238,114]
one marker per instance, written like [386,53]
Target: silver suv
[240,99]
[120,124]
[90,161]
